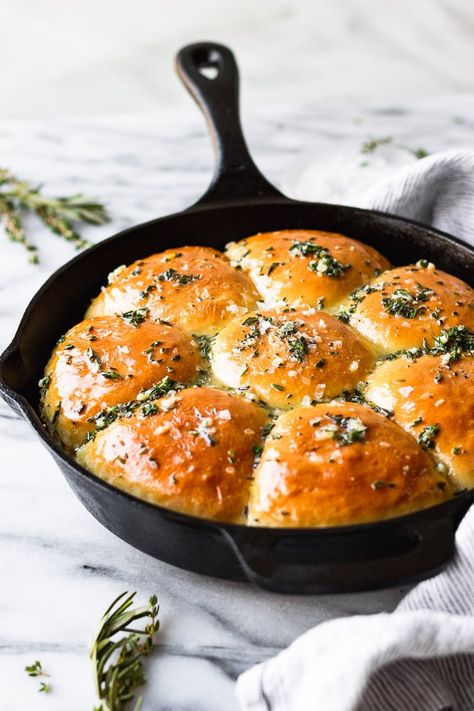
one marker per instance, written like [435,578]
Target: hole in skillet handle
[210,73]
[365,557]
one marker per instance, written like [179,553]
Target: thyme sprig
[35,669]
[58,214]
[117,660]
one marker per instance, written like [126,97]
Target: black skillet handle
[236,176]
[365,558]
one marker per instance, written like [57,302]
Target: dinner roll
[108,360]
[341,463]
[306,267]
[408,305]
[194,288]
[291,357]
[192,452]
[434,401]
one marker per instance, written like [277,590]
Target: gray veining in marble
[60,568]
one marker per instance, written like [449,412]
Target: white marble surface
[97,56]
[60,568]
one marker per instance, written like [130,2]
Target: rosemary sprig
[117,662]
[58,214]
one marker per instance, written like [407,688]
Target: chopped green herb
[44,384]
[404,303]
[35,669]
[323,263]
[159,390]
[424,264]
[454,342]
[181,279]
[344,315]
[136,317]
[456,450]
[272,267]
[347,430]
[93,357]
[420,153]
[149,408]
[426,438]
[371,145]
[205,345]
[111,375]
[278,387]
[44,687]
[147,291]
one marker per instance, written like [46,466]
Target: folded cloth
[438,190]
[421,656]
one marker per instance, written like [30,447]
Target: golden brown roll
[408,305]
[339,463]
[106,360]
[192,452]
[290,358]
[306,267]
[194,288]
[434,401]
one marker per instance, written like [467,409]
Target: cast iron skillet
[238,203]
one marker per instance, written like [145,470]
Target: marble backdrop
[59,567]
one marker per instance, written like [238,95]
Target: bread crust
[308,477]
[104,361]
[286,276]
[193,288]
[436,300]
[430,392]
[194,455]
[286,359]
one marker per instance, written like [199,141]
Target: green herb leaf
[347,430]
[407,304]
[111,375]
[35,669]
[58,214]
[117,660]
[181,279]
[135,317]
[374,143]
[323,263]
[426,438]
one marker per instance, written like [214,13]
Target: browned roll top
[341,463]
[192,452]
[194,288]
[105,361]
[306,267]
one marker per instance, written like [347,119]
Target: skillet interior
[326,560]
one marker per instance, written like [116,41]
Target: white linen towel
[421,656]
